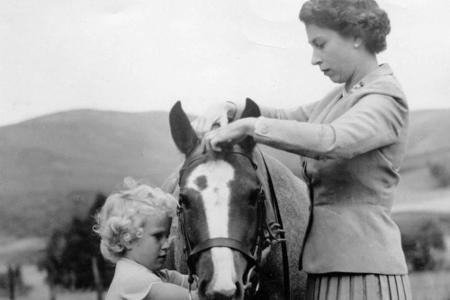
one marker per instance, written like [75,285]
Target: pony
[232,238]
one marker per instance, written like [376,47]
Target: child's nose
[166,243]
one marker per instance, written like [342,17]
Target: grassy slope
[429,142]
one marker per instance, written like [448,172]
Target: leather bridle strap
[221,242]
[255,257]
[199,156]
[217,242]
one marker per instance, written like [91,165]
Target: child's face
[151,250]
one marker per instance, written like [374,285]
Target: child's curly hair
[362,18]
[121,220]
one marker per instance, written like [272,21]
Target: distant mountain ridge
[84,143]
[43,160]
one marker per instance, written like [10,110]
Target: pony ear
[182,132]
[251,109]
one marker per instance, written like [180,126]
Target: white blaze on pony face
[211,180]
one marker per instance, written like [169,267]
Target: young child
[134,226]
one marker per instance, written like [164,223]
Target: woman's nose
[315,59]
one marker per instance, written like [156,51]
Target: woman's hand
[218,115]
[229,134]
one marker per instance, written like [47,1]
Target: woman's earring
[356,45]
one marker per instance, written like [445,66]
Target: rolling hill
[429,144]
[45,160]
[52,166]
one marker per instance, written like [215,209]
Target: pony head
[218,204]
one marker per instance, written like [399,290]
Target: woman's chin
[335,79]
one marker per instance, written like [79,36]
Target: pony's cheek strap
[251,281]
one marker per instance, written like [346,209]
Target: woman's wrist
[249,125]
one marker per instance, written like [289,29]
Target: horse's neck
[283,179]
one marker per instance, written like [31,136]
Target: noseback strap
[221,242]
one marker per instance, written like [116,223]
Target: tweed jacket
[351,147]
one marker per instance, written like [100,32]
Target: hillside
[429,137]
[52,166]
[80,152]
[429,143]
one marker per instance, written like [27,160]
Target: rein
[254,254]
[277,215]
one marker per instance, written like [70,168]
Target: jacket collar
[382,70]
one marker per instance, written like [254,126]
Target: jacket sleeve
[374,121]
[301,113]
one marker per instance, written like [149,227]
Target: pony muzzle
[221,274]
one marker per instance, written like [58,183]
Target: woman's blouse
[132,281]
[351,147]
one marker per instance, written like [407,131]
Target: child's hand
[264,253]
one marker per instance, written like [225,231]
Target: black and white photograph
[224,150]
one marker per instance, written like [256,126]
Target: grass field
[39,289]
[425,286]
[430,285]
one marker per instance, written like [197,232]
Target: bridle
[264,235]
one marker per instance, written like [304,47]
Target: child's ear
[127,240]
[140,233]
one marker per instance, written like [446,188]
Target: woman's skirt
[358,287]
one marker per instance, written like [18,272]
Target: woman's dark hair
[362,18]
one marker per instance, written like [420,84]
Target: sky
[141,55]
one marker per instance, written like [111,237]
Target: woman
[351,144]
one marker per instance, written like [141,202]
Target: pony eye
[254,196]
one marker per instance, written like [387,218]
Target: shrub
[440,171]
[16,272]
[71,250]
[422,241]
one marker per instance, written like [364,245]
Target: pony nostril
[228,293]
[203,287]
[216,296]
[239,291]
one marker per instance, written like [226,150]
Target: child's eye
[158,236]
